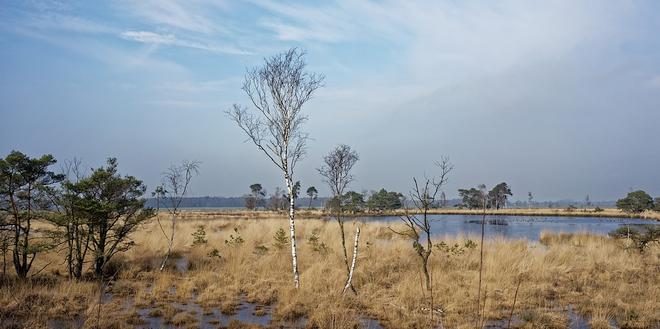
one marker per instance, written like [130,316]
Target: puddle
[504,323]
[245,313]
[370,323]
[106,297]
[575,320]
[148,321]
[182,264]
[76,322]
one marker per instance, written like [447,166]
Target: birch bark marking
[349,282]
[292,231]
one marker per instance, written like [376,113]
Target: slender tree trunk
[425,268]
[349,281]
[343,242]
[4,259]
[481,261]
[69,241]
[98,268]
[169,244]
[292,230]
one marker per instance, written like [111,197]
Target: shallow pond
[520,227]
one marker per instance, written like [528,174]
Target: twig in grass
[513,306]
[481,247]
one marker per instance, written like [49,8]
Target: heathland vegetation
[233,261]
[85,251]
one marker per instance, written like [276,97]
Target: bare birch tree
[336,172]
[278,90]
[176,181]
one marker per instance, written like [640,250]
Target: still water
[520,227]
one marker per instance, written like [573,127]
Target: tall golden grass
[596,276]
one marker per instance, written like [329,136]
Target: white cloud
[171,40]
[149,37]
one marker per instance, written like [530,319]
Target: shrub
[456,249]
[215,253]
[235,241]
[640,235]
[315,242]
[448,250]
[260,249]
[199,236]
[469,244]
[281,240]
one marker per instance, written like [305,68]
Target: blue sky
[561,98]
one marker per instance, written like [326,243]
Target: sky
[560,98]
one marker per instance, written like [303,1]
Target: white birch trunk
[349,281]
[292,229]
[169,244]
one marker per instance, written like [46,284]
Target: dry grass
[595,275]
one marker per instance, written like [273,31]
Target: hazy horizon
[558,98]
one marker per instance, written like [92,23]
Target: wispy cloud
[52,21]
[112,56]
[333,21]
[171,40]
[185,15]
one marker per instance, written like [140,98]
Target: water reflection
[520,227]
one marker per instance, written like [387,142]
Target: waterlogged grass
[599,279]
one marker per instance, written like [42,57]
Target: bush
[456,249]
[635,202]
[235,241]
[260,250]
[640,235]
[281,240]
[598,209]
[315,242]
[199,236]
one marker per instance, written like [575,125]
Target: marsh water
[520,227]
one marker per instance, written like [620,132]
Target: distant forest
[228,202]
[239,202]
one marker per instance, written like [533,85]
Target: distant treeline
[228,202]
[239,202]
